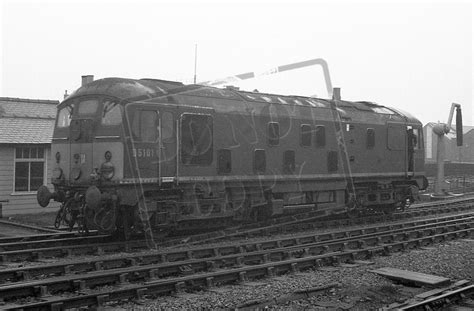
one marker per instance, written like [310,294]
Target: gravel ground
[353,287]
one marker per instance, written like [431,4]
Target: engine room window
[332,161]
[259,161]
[145,125]
[167,126]
[320,136]
[273,133]
[112,114]
[64,117]
[224,161]
[289,162]
[370,138]
[88,107]
[305,137]
[196,139]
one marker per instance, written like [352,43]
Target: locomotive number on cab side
[143,152]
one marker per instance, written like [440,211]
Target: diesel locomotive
[140,154]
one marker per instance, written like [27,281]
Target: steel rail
[156,257]
[134,273]
[33,254]
[210,279]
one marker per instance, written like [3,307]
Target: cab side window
[145,125]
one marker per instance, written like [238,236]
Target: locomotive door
[168,144]
[143,141]
[396,144]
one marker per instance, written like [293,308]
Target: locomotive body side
[134,152]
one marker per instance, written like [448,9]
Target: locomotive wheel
[102,218]
[59,217]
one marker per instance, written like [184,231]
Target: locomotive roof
[152,89]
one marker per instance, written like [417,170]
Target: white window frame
[15,160]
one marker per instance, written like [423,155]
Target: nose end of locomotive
[93,198]
[44,196]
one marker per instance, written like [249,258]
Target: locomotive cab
[88,142]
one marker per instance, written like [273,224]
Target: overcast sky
[414,55]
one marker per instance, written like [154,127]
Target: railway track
[19,229]
[100,245]
[210,266]
[190,253]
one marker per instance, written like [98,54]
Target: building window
[273,133]
[370,138]
[320,136]
[259,161]
[196,139]
[305,137]
[29,168]
[224,161]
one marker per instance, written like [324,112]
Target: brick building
[26,131]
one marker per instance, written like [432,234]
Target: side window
[417,139]
[370,138]
[305,136]
[167,126]
[273,133]
[145,125]
[112,114]
[64,117]
[259,161]
[196,139]
[224,161]
[332,161]
[289,162]
[320,136]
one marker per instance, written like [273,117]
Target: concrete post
[439,182]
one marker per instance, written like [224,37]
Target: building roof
[26,121]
